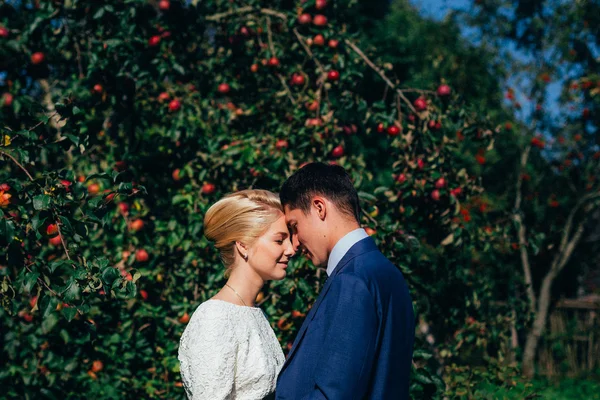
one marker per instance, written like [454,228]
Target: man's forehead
[289,213]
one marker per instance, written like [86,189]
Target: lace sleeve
[207,354]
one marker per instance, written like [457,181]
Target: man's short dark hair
[318,179]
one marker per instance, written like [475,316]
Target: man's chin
[314,261]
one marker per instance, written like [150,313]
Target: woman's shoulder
[221,310]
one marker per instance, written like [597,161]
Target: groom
[357,340]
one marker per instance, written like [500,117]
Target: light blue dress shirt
[342,246]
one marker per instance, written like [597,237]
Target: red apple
[420,163]
[164,96]
[97,366]
[586,113]
[7,99]
[55,241]
[401,178]
[420,104]
[93,188]
[123,208]
[370,231]
[440,183]
[393,130]
[164,5]
[434,125]
[380,127]
[435,194]
[67,184]
[37,58]
[333,43]
[98,88]
[320,4]
[120,166]
[273,62]
[223,88]
[319,40]
[281,144]
[244,31]
[176,174]
[144,294]
[154,41]
[338,151]
[174,105]
[208,188]
[136,225]
[3,32]
[297,314]
[141,255]
[443,90]
[254,68]
[185,318]
[52,230]
[333,75]
[298,79]
[456,192]
[312,106]
[320,20]
[304,19]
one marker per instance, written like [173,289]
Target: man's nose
[295,242]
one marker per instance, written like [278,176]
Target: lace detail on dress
[229,352]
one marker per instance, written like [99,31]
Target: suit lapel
[359,248]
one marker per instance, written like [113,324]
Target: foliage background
[115,144]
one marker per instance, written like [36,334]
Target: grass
[565,389]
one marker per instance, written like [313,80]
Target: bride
[228,350]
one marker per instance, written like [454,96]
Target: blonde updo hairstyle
[240,217]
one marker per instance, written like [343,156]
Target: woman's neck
[245,285]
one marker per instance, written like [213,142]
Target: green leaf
[41,202]
[30,281]
[99,13]
[73,138]
[69,313]
[7,229]
[72,290]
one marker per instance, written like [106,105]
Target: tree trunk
[539,324]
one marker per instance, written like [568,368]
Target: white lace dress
[229,351]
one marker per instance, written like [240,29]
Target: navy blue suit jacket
[357,340]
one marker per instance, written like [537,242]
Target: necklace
[238,295]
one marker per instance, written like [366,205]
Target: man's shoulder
[374,269]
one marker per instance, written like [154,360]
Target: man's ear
[319,205]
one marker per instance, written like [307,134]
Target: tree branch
[522,232]
[62,239]
[16,162]
[380,73]
[40,280]
[307,50]
[287,89]
[245,10]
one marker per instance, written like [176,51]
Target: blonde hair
[240,217]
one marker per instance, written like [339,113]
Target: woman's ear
[242,250]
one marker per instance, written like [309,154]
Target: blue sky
[438,9]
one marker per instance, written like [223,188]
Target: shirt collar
[342,246]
